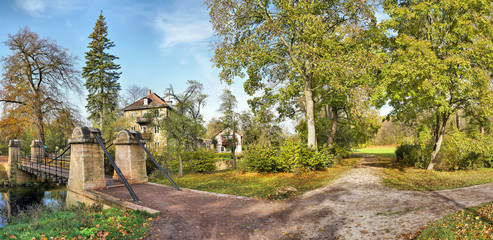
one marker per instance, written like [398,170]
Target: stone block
[130,158]
[86,161]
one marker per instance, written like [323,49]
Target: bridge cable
[96,134]
[137,137]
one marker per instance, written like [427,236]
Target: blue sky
[158,42]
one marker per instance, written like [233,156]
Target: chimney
[148,92]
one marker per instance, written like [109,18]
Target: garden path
[355,206]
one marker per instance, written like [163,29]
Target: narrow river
[15,200]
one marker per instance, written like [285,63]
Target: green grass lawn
[385,150]
[473,223]
[260,185]
[77,223]
[419,179]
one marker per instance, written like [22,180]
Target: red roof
[153,101]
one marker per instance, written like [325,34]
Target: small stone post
[37,153]
[130,158]
[15,175]
[86,161]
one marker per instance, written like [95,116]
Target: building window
[222,149]
[133,128]
[156,129]
[156,113]
[146,101]
[133,115]
[144,129]
[156,144]
[144,113]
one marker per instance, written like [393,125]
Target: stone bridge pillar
[15,175]
[130,158]
[37,151]
[86,161]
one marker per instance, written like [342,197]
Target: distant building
[222,143]
[143,112]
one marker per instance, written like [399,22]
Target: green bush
[411,155]
[293,156]
[202,160]
[461,151]
[261,159]
[222,155]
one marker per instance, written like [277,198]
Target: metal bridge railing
[47,165]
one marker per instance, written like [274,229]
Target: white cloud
[46,8]
[33,7]
[179,29]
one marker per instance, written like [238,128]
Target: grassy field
[77,223]
[260,185]
[422,180]
[384,150]
[473,223]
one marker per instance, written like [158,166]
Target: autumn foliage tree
[35,78]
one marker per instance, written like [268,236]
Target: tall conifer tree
[101,75]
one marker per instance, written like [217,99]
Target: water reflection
[15,200]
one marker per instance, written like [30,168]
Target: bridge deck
[59,174]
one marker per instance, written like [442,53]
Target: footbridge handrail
[137,137]
[96,132]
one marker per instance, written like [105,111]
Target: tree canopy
[441,61]
[184,124]
[286,48]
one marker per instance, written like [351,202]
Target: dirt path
[355,206]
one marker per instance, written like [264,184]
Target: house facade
[144,113]
[222,141]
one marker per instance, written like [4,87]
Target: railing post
[86,161]
[15,175]
[130,158]
[37,155]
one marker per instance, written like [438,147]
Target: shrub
[411,155]
[461,151]
[202,160]
[293,156]
[222,155]
[261,158]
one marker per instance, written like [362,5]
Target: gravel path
[355,206]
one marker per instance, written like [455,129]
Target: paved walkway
[355,206]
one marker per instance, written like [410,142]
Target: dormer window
[146,101]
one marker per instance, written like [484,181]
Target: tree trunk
[39,120]
[234,158]
[439,133]
[181,163]
[457,120]
[333,127]
[310,114]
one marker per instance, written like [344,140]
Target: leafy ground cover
[258,185]
[384,150]
[473,223]
[77,223]
[419,179]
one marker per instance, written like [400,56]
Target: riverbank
[3,173]
[79,222]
